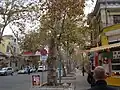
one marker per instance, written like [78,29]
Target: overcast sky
[88,9]
[90,6]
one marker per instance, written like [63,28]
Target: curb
[43,84]
[69,78]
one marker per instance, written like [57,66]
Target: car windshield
[41,67]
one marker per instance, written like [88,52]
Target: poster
[36,80]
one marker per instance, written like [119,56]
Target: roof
[105,47]
[98,2]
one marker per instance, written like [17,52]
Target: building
[105,38]
[10,48]
[104,21]
[11,45]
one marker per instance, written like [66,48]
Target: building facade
[104,21]
[10,48]
[105,24]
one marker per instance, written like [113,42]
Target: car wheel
[11,74]
[5,74]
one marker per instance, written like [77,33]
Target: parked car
[41,68]
[32,70]
[6,71]
[23,71]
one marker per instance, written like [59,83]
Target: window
[7,49]
[9,68]
[115,67]
[116,19]
[115,60]
[114,52]
[114,57]
[118,52]
[14,40]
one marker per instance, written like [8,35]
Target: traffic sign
[43,52]
[43,58]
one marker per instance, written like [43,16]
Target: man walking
[83,70]
[101,84]
[91,79]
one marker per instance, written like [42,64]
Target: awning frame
[105,47]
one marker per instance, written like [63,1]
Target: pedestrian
[101,84]
[76,70]
[91,79]
[28,69]
[83,70]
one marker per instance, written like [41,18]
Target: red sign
[27,53]
[96,59]
[43,52]
[36,80]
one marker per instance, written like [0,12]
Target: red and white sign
[37,53]
[28,53]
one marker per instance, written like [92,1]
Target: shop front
[109,58]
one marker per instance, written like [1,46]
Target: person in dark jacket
[101,84]
[83,70]
[28,68]
[91,79]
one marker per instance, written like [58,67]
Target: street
[19,81]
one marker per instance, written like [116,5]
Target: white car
[32,70]
[41,68]
[6,71]
[23,71]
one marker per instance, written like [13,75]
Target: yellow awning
[105,47]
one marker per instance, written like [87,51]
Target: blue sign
[43,58]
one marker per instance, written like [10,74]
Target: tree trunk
[52,76]
[61,61]
[64,71]
[68,66]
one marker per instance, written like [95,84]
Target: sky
[89,8]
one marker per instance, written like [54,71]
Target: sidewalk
[79,82]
